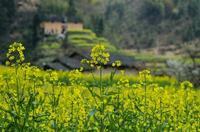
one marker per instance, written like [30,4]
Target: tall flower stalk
[145,78]
[16,58]
[99,58]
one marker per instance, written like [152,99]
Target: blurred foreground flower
[15,54]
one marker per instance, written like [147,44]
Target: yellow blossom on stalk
[54,76]
[81,69]
[122,72]
[51,77]
[99,55]
[15,54]
[186,85]
[75,76]
[117,63]
[145,76]
[85,61]
[33,73]
[123,83]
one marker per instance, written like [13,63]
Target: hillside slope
[87,39]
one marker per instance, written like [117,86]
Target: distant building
[53,28]
[59,28]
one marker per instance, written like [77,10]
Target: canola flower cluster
[99,57]
[36,100]
[15,54]
[117,63]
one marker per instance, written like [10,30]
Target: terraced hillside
[55,53]
[87,39]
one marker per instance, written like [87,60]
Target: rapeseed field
[35,100]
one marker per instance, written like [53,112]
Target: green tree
[98,24]
[7,10]
[53,7]
[153,10]
[7,13]
[72,12]
[194,8]
[3,19]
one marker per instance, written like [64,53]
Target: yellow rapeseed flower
[15,54]
[99,55]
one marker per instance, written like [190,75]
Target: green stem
[118,103]
[145,90]
[145,103]
[102,100]
[18,96]
[72,110]
[160,110]
[17,90]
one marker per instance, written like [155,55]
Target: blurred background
[162,35]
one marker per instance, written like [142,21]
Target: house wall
[56,28]
[53,28]
[74,26]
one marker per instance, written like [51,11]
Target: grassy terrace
[87,39]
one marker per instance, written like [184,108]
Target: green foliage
[192,31]
[3,19]
[47,49]
[82,32]
[7,12]
[86,38]
[135,24]
[97,24]
[72,12]
[153,10]
[55,7]
[194,8]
